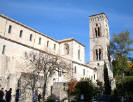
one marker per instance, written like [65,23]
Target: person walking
[2,95]
[39,97]
[9,95]
[17,95]
[34,96]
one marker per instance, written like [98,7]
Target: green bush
[125,87]
[52,98]
[85,88]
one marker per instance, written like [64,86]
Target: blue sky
[62,19]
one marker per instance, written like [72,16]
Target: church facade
[17,38]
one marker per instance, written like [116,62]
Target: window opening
[97,31]
[54,46]
[9,29]
[30,37]
[39,40]
[78,54]
[66,49]
[20,34]
[98,54]
[47,43]
[3,50]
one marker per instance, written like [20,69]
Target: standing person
[39,97]
[17,95]
[1,95]
[8,95]
[34,96]
[4,97]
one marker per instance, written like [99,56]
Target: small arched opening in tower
[98,54]
[97,30]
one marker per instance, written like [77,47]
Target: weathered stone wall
[101,42]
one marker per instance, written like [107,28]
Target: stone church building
[17,38]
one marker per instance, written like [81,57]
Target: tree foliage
[129,69]
[120,63]
[120,48]
[85,88]
[107,85]
[100,88]
[121,44]
[124,87]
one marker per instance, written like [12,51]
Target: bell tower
[99,38]
[99,44]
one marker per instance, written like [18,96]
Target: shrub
[52,98]
[85,88]
[125,87]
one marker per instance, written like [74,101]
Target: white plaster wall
[14,35]
[89,73]
[73,51]
[76,47]
[62,50]
[2,26]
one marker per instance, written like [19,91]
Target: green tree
[86,88]
[107,85]
[120,48]
[124,87]
[120,63]
[129,69]
[100,87]
[121,44]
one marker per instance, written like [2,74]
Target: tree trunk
[44,87]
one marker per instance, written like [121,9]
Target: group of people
[7,95]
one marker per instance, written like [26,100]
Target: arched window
[66,48]
[47,43]
[3,50]
[39,40]
[75,69]
[9,29]
[97,30]
[30,37]
[54,46]
[20,34]
[98,54]
[108,50]
[79,54]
